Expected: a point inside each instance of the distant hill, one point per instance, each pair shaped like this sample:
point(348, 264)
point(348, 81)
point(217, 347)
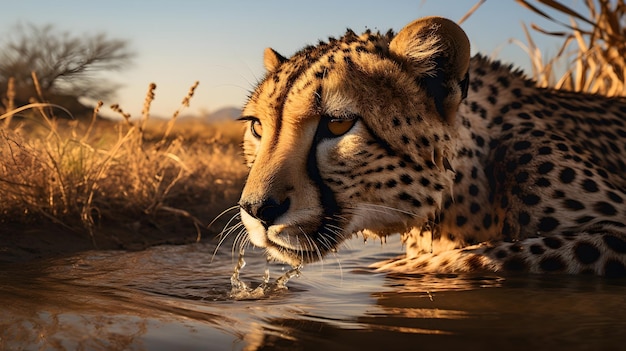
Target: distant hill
point(223, 114)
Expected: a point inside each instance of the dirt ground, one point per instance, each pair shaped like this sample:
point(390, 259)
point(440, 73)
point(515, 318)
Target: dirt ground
point(21, 242)
point(25, 244)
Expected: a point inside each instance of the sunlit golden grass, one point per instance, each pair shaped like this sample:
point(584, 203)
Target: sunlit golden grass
point(592, 55)
point(101, 177)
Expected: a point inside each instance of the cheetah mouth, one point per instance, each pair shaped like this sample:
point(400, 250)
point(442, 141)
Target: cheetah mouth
point(292, 244)
point(296, 247)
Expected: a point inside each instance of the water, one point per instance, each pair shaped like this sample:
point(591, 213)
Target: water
point(240, 290)
point(175, 298)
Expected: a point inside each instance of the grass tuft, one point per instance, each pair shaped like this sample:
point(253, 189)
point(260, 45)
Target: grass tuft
point(592, 55)
point(116, 178)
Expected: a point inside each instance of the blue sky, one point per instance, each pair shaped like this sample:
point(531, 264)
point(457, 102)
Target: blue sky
point(220, 43)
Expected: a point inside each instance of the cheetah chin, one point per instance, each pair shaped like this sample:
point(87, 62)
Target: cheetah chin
point(474, 166)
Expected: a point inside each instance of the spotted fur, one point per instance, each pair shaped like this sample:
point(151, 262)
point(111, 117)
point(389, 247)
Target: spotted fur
point(467, 159)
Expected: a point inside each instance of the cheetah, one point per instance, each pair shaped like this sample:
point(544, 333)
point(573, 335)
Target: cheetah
point(467, 159)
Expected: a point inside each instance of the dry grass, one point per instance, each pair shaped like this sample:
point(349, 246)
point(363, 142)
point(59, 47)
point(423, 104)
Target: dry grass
point(111, 178)
point(592, 55)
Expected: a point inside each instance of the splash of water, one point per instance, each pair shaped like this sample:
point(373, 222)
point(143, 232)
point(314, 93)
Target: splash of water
point(242, 291)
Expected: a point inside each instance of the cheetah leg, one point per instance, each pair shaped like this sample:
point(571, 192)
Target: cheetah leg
point(469, 259)
point(599, 251)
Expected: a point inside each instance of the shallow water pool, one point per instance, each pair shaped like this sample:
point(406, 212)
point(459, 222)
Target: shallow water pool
point(175, 298)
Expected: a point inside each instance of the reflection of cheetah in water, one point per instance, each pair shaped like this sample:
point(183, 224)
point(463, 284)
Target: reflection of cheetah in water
point(477, 167)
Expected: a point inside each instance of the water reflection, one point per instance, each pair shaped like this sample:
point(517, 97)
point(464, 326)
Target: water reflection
point(67, 305)
point(174, 298)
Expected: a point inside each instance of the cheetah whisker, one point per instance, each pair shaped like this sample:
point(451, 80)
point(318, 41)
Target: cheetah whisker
point(241, 242)
point(232, 208)
point(225, 234)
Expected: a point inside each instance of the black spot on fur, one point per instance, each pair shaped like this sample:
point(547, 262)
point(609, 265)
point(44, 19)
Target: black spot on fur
point(522, 145)
point(552, 242)
point(562, 147)
point(567, 175)
point(602, 173)
point(516, 247)
point(530, 199)
point(605, 208)
point(615, 243)
point(536, 249)
point(538, 133)
point(408, 198)
point(474, 173)
point(574, 205)
point(545, 167)
point(525, 158)
point(586, 253)
point(458, 177)
point(614, 197)
point(590, 186)
point(473, 190)
point(406, 179)
point(547, 224)
point(545, 150)
point(584, 219)
point(551, 264)
point(487, 221)
point(549, 210)
point(542, 182)
point(480, 141)
point(461, 220)
point(430, 200)
point(516, 264)
point(460, 199)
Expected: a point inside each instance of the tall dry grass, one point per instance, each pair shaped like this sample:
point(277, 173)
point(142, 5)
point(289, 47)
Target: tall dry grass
point(111, 178)
point(592, 54)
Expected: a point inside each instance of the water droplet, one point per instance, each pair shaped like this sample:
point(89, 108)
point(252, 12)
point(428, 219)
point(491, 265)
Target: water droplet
point(241, 291)
point(237, 286)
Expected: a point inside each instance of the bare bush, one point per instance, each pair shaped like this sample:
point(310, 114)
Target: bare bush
point(65, 65)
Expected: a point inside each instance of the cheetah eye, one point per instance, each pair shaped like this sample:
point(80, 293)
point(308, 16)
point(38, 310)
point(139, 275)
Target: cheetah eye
point(255, 125)
point(256, 128)
point(339, 127)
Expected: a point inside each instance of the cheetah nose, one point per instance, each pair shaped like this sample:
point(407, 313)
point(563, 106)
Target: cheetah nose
point(266, 211)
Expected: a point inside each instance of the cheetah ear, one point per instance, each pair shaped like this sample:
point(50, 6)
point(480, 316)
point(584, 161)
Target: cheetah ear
point(272, 59)
point(437, 50)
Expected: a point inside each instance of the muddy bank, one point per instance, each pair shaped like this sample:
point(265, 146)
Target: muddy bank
point(20, 242)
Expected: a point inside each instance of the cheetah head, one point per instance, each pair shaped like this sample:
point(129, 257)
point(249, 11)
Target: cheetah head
point(350, 135)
